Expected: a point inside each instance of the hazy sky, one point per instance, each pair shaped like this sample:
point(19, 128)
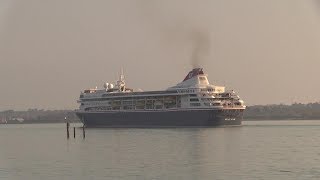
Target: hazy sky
point(266, 50)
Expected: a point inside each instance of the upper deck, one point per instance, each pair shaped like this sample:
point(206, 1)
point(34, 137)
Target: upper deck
point(195, 82)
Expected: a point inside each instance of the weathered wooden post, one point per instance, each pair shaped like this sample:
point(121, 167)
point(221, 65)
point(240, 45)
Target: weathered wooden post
point(68, 125)
point(83, 132)
point(74, 132)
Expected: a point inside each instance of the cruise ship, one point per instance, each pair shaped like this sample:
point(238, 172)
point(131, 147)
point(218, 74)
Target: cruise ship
point(192, 103)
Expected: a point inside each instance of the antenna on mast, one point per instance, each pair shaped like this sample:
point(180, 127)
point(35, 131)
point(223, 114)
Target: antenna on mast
point(121, 83)
point(121, 75)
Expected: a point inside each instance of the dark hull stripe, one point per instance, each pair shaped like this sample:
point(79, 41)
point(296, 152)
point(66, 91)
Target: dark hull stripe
point(182, 118)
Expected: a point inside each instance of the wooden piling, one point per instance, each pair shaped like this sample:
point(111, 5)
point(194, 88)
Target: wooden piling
point(83, 132)
point(68, 125)
point(74, 132)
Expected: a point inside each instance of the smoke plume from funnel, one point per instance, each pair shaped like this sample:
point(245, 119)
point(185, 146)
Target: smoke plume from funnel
point(181, 28)
point(316, 3)
point(200, 48)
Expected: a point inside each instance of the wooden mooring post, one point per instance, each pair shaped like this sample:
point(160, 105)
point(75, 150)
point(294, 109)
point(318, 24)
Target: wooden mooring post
point(74, 130)
point(68, 125)
point(83, 132)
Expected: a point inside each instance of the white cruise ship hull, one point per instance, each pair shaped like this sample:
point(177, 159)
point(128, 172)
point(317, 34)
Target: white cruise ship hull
point(163, 118)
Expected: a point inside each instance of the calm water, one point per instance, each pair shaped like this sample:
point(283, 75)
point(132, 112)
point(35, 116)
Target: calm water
point(257, 150)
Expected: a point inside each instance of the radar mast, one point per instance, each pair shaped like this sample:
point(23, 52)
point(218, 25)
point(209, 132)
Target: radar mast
point(121, 82)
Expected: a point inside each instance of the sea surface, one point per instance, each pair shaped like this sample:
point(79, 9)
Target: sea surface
point(257, 150)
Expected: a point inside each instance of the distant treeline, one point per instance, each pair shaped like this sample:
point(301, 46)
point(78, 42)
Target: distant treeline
point(295, 111)
point(37, 116)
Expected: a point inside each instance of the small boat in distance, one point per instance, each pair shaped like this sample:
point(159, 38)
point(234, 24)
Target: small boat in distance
point(192, 103)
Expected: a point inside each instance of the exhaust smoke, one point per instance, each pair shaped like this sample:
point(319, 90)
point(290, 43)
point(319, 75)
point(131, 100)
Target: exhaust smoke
point(200, 43)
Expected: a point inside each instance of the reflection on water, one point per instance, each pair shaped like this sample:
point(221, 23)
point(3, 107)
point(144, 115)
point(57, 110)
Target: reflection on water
point(257, 150)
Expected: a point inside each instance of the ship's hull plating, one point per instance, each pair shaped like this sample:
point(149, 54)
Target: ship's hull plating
point(157, 118)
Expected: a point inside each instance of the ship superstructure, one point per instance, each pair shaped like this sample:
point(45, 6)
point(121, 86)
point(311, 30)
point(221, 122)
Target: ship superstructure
point(193, 102)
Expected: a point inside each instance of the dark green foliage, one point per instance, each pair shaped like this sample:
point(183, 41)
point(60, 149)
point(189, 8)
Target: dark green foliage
point(279, 112)
point(39, 116)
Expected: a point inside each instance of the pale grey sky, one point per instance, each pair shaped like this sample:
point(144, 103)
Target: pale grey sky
point(268, 51)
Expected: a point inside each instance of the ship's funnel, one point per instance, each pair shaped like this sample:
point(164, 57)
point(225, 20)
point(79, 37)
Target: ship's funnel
point(193, 73)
